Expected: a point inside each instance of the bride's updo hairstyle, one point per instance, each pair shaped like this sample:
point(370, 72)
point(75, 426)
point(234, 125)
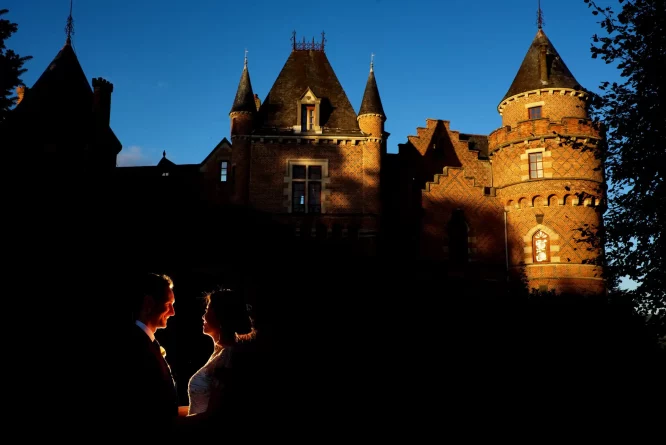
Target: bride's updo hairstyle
point(232, 312)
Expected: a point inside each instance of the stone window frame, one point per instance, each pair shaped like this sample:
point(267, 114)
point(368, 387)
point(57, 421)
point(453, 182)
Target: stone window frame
point(546, 159)
point(325, 182)
point(534, 173)
point(535, 105)
point(554, 245)
point(308, 98)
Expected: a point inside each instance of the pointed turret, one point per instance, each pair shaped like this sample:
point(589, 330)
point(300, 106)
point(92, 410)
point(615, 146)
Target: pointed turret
point(244, 100)
point(542, 67)
point(371, 103)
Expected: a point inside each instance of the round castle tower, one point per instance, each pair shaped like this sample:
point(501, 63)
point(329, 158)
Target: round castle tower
point(548, 177)
point(242, 116)
point(371, 120)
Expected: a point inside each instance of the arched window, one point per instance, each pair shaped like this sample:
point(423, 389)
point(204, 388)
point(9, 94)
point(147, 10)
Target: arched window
point(458, 241)
point(541, 247)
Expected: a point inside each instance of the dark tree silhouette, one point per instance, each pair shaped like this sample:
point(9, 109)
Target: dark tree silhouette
point(11, 67)
point(632, 114)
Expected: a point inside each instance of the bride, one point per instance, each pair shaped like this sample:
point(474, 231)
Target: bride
point(214, 388)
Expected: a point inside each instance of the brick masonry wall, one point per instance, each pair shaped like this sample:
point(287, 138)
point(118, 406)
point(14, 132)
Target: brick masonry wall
point(269, 168)
point(555, 107)
point(483, 214)
point(373, 125)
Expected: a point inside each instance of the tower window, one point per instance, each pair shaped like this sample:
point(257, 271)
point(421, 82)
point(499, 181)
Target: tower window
point(536, 165)
point(224, 171)
point(534, 112)
point(541, 247)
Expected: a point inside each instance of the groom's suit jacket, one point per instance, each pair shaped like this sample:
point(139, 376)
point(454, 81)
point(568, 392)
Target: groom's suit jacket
point(153, 394)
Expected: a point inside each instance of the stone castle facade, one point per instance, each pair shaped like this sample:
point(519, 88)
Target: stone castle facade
point(486, 207)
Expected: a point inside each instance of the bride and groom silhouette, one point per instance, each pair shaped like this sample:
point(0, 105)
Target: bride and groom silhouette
point(214, 388)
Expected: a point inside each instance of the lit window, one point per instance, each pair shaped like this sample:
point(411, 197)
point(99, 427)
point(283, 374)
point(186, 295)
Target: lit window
point(224, 171)
point(536, 165)
point(541, 247)
point(534, 112)
point(306, 188)
point(308, 117)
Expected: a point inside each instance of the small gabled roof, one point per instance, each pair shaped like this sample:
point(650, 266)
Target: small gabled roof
point(528, 77)
point(371, 103)
point(224, 143)
point(307, 69)
point(165, 163)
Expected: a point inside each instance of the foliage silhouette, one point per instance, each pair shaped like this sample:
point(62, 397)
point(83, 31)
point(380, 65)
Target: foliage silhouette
point(632, 114)
point(11, 67)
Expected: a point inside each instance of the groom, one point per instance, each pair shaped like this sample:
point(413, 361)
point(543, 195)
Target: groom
point(153, 398)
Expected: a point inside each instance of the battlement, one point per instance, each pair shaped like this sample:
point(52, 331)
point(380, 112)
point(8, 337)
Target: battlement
point(101, 83)
point(542, 128)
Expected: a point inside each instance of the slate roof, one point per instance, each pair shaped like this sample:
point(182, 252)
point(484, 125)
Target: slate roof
point(61, 99)
point(307, 69)
point(244, 100)
point(371, 102)
point(528, 77)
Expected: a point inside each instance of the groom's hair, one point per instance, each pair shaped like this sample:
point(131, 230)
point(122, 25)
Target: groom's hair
point(152, 284)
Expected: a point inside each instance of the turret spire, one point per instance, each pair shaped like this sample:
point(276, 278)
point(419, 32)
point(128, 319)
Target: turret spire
point(69, 28)
point(244, 100)
point(540, 21)
point(371, 103)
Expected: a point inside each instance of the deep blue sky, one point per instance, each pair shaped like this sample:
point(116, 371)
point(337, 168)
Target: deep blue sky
point(175, 66)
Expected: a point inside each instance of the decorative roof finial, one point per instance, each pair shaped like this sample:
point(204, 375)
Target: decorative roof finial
point(245, 58)
point(323, 40)
point(372, 62)
point(69, 28)
point(293, 39)
point(540, 21)
point(164, 154)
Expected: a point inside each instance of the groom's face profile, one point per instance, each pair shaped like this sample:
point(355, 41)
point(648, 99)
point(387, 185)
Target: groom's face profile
point(162, 310)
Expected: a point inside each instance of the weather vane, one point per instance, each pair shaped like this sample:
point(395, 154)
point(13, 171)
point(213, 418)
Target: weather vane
point(372, 61)
point(540, 21)
point(69, 28)
point(246, 57)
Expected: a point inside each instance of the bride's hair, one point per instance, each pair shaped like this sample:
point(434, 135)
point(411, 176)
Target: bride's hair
point(233, 313)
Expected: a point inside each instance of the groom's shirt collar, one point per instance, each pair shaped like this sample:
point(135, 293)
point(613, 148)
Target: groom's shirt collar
point(146, 330)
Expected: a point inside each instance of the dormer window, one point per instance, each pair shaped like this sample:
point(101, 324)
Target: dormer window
point(308, 114)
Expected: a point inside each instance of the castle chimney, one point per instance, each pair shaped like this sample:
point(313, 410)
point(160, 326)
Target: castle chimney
point(20, 92)
point(257, 101)
point(543, 66)
point(102, 90)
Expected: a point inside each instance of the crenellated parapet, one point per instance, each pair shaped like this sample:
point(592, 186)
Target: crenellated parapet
point(102, 84)
point(572, 129)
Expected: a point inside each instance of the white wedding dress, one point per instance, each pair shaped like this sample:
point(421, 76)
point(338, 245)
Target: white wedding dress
point(205, 379)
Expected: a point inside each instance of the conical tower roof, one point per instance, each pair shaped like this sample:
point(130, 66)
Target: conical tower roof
point(371, 103)
point(244, 100)
point(61, 89)
point(529, 77)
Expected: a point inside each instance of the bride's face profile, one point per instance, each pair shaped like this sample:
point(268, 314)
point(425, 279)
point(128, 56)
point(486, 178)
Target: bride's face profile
point(211, 325)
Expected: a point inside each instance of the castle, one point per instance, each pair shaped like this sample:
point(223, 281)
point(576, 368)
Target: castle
point(488, 207)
